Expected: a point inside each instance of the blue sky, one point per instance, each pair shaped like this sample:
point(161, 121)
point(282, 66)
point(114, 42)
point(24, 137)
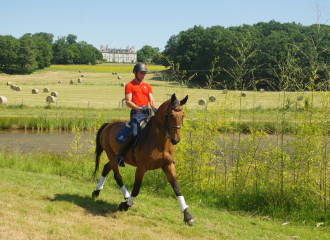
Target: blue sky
point(126, 23)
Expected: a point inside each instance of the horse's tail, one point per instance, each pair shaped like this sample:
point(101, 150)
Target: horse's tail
point(98, 149)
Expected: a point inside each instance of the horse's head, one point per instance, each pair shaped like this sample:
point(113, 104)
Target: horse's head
point(173, 118)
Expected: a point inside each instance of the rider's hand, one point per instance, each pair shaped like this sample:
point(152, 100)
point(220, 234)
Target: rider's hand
point(143, 110)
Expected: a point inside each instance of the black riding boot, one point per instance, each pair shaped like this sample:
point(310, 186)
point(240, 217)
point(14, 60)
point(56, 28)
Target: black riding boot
point(122, 149)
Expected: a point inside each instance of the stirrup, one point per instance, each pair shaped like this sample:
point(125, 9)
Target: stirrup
point(120, 160)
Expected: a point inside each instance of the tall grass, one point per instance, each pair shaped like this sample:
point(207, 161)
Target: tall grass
point(288, 177)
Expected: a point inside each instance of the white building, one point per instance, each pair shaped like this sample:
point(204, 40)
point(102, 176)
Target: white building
point(119, 55)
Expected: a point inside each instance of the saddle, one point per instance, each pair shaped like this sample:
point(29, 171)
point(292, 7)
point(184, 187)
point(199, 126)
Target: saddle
point(126, 130)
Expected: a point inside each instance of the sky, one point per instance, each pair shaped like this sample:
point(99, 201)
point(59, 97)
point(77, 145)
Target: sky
point(123, 23)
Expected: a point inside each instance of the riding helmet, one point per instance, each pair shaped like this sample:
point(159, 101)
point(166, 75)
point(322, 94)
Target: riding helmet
point(140, 67)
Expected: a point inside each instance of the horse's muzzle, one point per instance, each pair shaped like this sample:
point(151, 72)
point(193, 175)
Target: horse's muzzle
point(174, 141)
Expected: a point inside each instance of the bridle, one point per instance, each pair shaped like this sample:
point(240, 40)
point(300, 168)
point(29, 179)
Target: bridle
point(168, 128)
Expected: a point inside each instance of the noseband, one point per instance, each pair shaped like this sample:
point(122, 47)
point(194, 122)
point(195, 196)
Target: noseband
point(168, 128)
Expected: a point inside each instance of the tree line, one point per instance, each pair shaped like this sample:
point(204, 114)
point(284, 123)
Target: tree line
point(250, 56)
point(37, 51)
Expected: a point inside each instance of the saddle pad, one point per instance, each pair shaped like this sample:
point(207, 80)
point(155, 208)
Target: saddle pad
point(124, 131)
point(122, 134)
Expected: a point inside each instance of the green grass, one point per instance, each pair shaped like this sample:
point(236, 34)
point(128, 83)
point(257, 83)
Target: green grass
point(49, 197)
point(285, 178)
point(102, 90)
point(100, 94)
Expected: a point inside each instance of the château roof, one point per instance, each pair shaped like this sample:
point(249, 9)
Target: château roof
point(117, 50)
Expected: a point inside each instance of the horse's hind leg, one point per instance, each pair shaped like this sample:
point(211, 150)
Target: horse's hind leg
point(101, 180)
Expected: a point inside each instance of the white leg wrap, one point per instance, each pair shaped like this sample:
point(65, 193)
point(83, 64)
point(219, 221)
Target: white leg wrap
point(125, 192)
point(100, 183)
point(182, 203)
point(130, 201)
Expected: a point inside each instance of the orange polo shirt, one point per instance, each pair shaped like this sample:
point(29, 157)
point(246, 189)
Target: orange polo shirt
point(140, 92)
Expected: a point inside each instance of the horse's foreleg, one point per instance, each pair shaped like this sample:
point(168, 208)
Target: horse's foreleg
point(101, 180)
point(170, 173)
point(139, 174)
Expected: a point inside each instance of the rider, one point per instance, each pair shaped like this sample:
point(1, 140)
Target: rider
point(137, 95)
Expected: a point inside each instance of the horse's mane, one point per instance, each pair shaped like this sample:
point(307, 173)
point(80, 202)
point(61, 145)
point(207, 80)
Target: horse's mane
point(144, 132)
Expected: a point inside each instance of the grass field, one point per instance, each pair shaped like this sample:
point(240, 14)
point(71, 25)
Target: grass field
point(101, 90)
point(99, 98)
point(37, 203)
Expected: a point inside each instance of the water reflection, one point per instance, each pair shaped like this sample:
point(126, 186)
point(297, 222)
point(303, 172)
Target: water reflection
point(31, 141)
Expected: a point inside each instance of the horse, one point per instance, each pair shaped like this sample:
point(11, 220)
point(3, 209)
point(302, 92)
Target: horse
point(154, 149)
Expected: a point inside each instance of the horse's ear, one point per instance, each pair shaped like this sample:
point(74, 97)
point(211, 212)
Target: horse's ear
point(183, 101)
point(173, 98)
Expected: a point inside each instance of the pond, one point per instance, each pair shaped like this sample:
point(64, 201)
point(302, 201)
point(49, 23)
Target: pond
point(59, 142)
point(55, 142)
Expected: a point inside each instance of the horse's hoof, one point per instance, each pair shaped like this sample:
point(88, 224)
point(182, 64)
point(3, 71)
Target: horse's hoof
point(95, 193)
point(187, 217)
point(190, 222)
point(123, 206)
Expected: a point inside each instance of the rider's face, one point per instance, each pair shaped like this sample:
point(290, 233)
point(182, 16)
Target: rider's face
point(140, 75)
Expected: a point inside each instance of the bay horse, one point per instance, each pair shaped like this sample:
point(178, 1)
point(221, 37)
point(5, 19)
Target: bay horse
point(154, 149)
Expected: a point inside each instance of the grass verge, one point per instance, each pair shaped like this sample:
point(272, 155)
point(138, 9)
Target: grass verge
point(48, 197)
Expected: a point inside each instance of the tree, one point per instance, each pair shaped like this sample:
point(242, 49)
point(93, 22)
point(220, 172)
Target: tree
point(58, 48)
point(146, 52)
point(26, 54)
point(8, 52)
point(43, 50)
point(77, 53)
point(48, 37)
point(71, 39)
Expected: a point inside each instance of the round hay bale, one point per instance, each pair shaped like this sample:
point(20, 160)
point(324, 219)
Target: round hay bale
point(119, 77)
point(79, 80)
point(54, 94)
point(113, 73)
point(3, 100)
point(46, 89)
point(262, 90)
point(79, 71)
point(59, 82)
point(201, 102)
point(82, 75)
point(13, 87)
point(8, 83)
point(243, 94)
point(18, 89)
point(71, 82)
point(35, 91)
point(225, 91)
point(122, 84)
point(212, 98)
point(300, 98)
point(50, 99)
